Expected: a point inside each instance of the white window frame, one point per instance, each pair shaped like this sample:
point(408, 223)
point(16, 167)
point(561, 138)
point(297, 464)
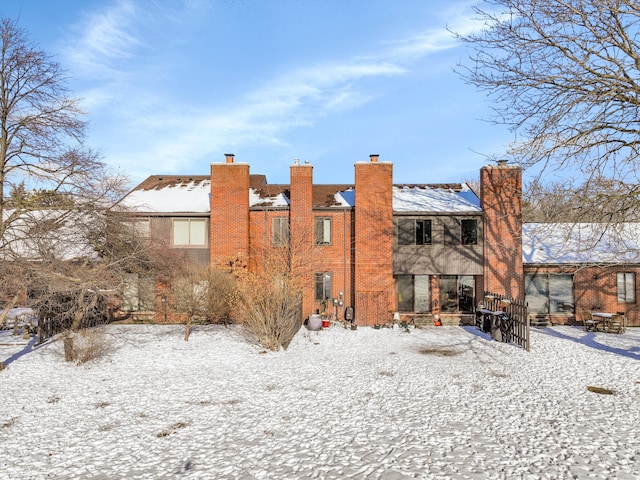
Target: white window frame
point(195, 234)
point(626, 286)
point(323, 286)
point(322, 230)
point(280, 231)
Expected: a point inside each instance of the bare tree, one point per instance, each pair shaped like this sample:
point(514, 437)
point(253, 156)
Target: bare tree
point(603, 200)
point(42, 134)
point(59, 250)
point(191, 295)
point(565, 76)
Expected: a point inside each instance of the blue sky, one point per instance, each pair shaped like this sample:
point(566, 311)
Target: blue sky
point(171, 86)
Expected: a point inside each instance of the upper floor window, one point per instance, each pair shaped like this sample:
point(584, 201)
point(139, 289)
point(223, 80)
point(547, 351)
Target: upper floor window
point(323, 230)
point(139, 227)
point(280, 231)
point(413, 231)
point(469, 231)
point(626, 287)
point(189, 232)
point(462, 232)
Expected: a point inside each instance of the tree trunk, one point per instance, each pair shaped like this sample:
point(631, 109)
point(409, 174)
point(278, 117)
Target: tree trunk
point(187, 330)
point(5, 311)
point(69, 356)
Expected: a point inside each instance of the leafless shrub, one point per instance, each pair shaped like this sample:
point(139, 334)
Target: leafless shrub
point(270, 300)
point(89, 344)
point(190, 292)
point(221, 295)
point(270, 305)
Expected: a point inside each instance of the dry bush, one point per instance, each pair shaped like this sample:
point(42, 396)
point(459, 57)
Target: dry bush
point(89, 344)
point(222, 295)
point(269, 300)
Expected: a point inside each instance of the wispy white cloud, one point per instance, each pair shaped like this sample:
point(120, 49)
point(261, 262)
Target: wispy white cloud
point(161, 129)
point(103, 38)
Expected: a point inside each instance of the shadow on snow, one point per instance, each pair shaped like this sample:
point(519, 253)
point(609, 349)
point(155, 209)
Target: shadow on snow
point(590, 339)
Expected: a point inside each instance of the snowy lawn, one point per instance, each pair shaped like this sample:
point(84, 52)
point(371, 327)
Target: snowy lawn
point(433, 403)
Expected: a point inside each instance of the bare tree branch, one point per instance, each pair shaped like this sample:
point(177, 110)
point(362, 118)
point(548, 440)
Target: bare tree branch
point(565, 76)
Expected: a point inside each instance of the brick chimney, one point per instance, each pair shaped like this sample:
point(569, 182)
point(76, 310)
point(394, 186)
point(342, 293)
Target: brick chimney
point(501, 198)
point(374, 285)
point(229, 217)
point(302, 229)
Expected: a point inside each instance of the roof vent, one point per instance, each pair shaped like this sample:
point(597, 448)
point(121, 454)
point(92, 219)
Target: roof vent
point(296, 161)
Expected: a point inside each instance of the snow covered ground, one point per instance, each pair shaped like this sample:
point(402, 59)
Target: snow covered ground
point(366, 404)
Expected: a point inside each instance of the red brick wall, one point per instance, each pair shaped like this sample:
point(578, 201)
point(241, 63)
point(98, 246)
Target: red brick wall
point(302, 230)
point(501, 197)
point(375, 291)
point(229, 220)
point(336, 258)
point(594, 288)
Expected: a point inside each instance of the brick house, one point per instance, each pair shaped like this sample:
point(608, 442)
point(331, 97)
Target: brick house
point(425, 251)
point(573, 268)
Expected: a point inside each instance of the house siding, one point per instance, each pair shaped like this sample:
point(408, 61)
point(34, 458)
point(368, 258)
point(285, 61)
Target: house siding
point(438, 258)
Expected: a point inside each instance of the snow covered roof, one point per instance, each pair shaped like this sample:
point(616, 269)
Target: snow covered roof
point(49, 233)
point(435, 199)
point(571, 243)
point(159, 194)
point(258, 198)
point(190, 194)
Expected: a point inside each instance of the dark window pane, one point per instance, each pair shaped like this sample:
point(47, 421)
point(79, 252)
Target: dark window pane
point(449, 293)
point(423, 232)
point(469, 229)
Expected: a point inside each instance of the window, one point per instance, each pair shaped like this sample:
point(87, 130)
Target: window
point(549, 293)
point(414, 231)
point(469, 231)
point(189, 232)
point(280, 231)
point(323, 285)
point(626, 287)
point(461, 232)
point(323, 231)
point(413, 293)
point(138, 293)
point(457, 293)
point(138, 227)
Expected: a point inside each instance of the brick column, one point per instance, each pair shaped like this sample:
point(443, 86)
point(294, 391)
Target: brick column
point(501, 197)
point(374, 285)
point(301, 226)
point(229, 217)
